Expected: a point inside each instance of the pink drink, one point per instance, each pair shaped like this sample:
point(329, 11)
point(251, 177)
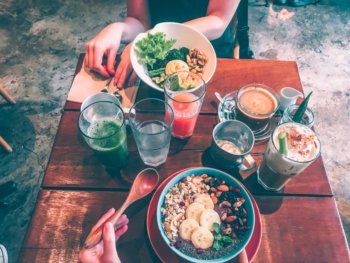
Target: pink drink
point(186, 108)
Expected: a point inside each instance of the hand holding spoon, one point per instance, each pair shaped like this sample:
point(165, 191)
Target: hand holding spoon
point(144, 183)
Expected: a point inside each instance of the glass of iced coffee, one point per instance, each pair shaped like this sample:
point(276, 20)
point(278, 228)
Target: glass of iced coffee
point(302, 148)
point(255, 106)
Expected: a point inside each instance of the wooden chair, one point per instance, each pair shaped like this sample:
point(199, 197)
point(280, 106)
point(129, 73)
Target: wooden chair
point(4, 93)
point(240, 30)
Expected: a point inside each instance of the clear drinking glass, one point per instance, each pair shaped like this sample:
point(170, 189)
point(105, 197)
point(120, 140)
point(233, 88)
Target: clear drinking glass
point(151, 122)
point(277, 169)
point(102, 125)
point(308, 117)
point(184, 91)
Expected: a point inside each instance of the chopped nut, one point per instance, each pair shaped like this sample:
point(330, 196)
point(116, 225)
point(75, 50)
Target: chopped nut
point(230, 219)
point(223, 217)
point(223, 188)
point(218, 193)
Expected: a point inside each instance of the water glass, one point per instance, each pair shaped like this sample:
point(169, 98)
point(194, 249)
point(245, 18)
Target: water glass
point(151, 122)
point(307, 120)
point(184, 92)
point(102, 125)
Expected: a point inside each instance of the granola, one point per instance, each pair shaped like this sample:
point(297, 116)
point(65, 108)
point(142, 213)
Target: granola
point(178, 198)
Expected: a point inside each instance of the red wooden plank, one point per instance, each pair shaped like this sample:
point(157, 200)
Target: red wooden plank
point(73, 164)
point(230, 75)
point(295, 229)
point(68, 135)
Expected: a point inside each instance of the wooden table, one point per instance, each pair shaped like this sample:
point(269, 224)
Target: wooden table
point(300, 224)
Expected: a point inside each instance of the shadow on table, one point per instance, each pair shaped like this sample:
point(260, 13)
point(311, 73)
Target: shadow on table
point(177, 145)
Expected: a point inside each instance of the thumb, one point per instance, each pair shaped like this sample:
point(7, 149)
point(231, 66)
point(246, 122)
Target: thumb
point(110, 252)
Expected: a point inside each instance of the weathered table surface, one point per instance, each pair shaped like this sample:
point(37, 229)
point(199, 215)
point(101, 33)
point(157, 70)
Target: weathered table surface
point(300, 224)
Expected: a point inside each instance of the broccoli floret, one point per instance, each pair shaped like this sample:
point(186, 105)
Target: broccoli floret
point(184, 52)
point(174, 54)
point(160, 63)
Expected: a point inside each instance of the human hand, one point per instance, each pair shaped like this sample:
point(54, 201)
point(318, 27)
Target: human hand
point(106, 43)
point(125, 75)
point(105, 251)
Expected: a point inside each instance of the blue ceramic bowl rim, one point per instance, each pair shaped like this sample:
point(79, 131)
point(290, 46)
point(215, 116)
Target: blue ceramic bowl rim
point(231, 181)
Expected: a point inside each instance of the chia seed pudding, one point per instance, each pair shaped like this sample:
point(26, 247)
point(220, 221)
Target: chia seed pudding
point(203, 217)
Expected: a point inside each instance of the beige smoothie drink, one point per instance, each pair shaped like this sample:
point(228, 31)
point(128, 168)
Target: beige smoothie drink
point(303, 147)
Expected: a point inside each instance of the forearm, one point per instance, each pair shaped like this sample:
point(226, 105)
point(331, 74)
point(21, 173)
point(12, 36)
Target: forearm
point(130, 28)
point(210, 26)
point(219, 15)
point(136, 20)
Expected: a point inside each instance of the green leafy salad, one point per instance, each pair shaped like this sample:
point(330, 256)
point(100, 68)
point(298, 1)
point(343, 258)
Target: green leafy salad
point(154, 51)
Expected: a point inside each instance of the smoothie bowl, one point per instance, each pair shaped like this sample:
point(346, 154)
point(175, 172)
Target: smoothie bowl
point(205, 215)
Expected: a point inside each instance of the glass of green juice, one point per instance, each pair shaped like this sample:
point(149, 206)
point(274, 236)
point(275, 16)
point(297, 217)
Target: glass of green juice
point(102, 125)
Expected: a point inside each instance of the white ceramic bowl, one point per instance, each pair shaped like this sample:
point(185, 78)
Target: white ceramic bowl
point(185, 37)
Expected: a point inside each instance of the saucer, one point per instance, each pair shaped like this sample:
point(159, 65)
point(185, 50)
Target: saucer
point(227, 111)
point(165, 254)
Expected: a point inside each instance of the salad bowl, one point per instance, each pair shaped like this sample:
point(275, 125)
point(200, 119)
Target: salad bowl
point(183, 36)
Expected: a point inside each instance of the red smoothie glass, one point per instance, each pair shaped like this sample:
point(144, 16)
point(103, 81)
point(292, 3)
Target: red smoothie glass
point(184, 92)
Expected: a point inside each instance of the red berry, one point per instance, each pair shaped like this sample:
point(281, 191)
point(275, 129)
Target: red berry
point(237, 190)
point(178, 244)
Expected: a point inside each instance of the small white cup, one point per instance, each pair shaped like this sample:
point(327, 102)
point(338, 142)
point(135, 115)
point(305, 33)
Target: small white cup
point(288, 96)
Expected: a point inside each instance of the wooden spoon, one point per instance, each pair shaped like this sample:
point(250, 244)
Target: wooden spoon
point(144, 184)
point(242, 257)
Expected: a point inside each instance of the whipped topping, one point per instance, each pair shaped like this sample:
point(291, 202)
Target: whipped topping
point(302, 143)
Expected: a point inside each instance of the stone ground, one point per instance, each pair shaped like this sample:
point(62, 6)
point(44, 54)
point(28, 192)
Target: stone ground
point(39, 47)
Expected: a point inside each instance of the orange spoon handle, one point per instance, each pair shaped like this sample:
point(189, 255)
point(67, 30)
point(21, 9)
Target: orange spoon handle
point(242, 257)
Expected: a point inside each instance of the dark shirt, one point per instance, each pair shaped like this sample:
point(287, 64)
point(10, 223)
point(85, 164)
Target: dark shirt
point(184, 10)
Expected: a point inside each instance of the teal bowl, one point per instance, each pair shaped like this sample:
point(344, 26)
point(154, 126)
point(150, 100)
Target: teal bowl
point(230, 181)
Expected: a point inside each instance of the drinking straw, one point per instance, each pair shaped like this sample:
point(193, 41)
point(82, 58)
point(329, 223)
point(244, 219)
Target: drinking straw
point(282, 137)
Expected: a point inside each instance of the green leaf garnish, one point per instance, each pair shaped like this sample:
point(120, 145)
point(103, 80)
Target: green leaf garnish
point(227, 239)
point(216, 228)
point(298, 116)
point(217, 245)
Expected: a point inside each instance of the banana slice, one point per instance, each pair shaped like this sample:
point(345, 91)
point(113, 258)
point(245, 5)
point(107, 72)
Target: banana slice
point(205, 200)
point(187, 227)
point(175, 66)
point(194, 211)
point(208, 218)
point(202, 238)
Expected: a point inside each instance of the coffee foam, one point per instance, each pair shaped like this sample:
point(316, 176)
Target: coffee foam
point(257, 115)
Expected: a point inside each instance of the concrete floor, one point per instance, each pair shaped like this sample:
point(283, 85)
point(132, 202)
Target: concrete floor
point(40, 43)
